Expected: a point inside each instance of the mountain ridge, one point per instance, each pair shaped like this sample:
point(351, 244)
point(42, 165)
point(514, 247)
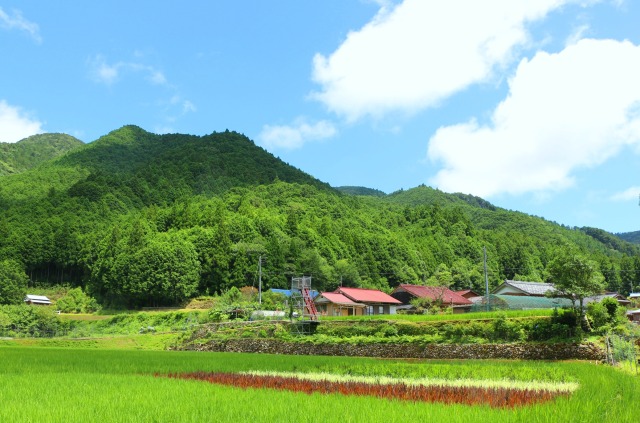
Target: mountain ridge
point(107, 215)
point(34, 151)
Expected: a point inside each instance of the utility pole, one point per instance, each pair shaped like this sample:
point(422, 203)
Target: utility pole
point(260, 280)
point(486, 278)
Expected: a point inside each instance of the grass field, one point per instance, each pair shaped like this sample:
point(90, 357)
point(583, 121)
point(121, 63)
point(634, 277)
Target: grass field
point(48, 384)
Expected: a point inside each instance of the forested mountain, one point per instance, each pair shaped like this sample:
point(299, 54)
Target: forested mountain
point(33, 151)
point(361, 191)
point(633, 237)
point(143, 219)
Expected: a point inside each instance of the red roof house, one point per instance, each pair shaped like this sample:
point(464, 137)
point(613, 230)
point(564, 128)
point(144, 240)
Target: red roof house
point(468, 293)
point(406, 292)
point(336, 304)
point(375, 301)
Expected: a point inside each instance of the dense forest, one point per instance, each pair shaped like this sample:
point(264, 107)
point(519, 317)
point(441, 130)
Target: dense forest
point(140, 219)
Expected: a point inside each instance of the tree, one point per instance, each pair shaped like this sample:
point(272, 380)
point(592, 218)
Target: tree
point(13, 282)
point(575, 277)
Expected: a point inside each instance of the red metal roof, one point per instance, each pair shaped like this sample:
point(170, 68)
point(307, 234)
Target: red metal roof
point(367, 295)
point(337, 299)
point(434, 292)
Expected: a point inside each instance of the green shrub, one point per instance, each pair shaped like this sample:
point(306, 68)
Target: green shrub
point(76, 301)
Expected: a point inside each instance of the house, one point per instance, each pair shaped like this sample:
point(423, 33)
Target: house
point(634, 316)
point(376, 302)
point(406, 292)
point(534, 289)
point(468, 293)
point(597, 298)
point(37, 300)
point(335, 304)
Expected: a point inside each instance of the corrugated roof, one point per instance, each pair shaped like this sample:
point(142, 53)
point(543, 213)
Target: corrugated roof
point(435, 292)
point(37, 299)
point(367, 295)
point(529, 288)
point(337, 298)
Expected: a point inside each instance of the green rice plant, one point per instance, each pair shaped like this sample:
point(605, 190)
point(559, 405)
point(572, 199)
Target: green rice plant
point(80, 385)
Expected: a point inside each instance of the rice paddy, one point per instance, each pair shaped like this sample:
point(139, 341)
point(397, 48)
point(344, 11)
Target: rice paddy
point(79, 385)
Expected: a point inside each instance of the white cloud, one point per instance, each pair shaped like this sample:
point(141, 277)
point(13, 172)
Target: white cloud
point(627, 195)
point(565, 111)
point(577, 34)
point(416, 54)
point(294, 136)
point(15, 124)
point(109, 73)
point(17, 21)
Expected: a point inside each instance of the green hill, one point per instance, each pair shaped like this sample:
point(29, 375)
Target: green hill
point(143, 219)
point(361, 191)
point(33, 151)
point(633, 237)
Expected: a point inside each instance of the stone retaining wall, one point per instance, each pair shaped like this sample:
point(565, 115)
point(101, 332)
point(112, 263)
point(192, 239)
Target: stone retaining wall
point(584, 351)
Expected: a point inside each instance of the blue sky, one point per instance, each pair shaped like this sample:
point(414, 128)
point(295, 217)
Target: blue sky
point(532, 105)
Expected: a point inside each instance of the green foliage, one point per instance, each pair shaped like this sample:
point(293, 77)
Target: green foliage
point(138, 219)
point(76, 301)
point(33, 151)
point(13, 282)
point(33, 321)
point(110, 385)
point(575, 277)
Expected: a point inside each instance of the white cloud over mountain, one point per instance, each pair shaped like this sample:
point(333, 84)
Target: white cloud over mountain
point(290, 137)
point(15, 124)
point(565, 111)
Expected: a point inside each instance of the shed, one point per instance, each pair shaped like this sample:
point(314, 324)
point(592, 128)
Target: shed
point(376, 302)
point(634, 315)
point(597, 298)
point(534, 289)
point(335, 304)
point(37, 300)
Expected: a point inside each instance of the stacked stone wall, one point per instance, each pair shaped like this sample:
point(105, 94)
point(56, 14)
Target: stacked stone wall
point(520, 351)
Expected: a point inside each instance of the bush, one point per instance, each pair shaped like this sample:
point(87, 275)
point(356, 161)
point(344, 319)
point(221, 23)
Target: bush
point(76, 301)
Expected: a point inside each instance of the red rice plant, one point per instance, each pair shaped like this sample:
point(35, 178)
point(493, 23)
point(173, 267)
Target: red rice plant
point(494, 397)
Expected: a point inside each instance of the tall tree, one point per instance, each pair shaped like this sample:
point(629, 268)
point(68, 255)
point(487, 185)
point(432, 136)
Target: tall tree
point(575, 277)
point(13, 282)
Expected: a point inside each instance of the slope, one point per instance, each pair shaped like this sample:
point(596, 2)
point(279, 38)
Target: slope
point(33, 151)
point(144, 219)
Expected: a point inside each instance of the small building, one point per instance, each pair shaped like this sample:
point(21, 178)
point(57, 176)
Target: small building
point(335, 304)
point(468, 293)
point(634, 316)
point(597, 298)
point(37, 300)
point(530, 289)
point(375, 301)
point(406, 292)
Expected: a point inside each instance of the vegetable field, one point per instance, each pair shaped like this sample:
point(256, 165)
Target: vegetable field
point(80, 385)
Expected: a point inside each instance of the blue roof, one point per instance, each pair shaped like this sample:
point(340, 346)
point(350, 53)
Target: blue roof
point(289, 292)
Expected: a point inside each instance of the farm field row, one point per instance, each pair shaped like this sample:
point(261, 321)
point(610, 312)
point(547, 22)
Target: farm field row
point(79, 385)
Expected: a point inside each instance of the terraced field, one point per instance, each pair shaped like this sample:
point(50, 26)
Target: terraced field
point(80, 385)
